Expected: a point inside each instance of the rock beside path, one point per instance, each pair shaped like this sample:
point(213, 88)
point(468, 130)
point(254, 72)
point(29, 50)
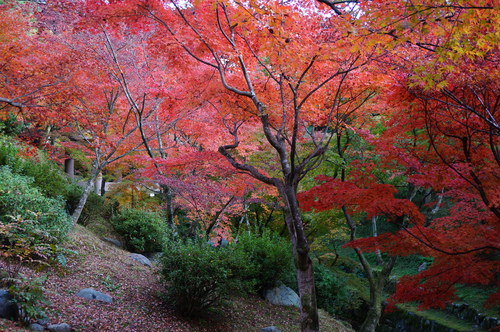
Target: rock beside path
point(59, 327)
point(114, 242)
point(283, 295)
point(141, 259)
point(8, 308)
point(92, 294)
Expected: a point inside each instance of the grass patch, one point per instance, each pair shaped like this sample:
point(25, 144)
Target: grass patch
point(475, 297)
point(440, 317)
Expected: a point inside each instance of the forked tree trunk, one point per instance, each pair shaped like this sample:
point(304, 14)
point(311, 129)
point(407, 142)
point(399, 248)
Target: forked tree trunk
point(376, 280)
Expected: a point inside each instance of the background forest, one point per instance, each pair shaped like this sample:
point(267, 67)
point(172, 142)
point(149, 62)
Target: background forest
point(348, 149)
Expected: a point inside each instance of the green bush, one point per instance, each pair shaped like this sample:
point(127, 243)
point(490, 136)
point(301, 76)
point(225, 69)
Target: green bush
point(51, 180)
point(31, 225)
point(143, 231)
point(47, 176)
point(8, 152)
point(271, 256)
point(19, 199)
point(11, 126)
point(200, 276)
point(331, 291)
point(96, 210)
point(28, 294)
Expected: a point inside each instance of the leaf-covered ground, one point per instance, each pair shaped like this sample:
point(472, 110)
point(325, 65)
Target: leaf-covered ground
point(138, 297)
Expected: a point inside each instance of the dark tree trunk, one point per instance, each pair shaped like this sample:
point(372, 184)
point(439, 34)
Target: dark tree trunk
point(376, 280)
point(103, 187)
point(166, 197)
point(170, 205)
point(309, 320)
point(374, 312)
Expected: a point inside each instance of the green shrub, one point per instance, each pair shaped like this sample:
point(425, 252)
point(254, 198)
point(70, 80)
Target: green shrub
point(11, 126)
point(331, 291)
point(31, 225)
point(22, 241)
point(46, 175)
point(240, 265)
point(143, 231)
point(19, 199)
point(51, 180)
point(28, 295)
point(96, 210)
point(200, 276)
point(272, 257)
point(8, 152)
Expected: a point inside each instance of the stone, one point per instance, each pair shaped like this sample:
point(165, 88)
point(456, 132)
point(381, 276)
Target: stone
point(63, 327)
point(43, 321)
point(141, 259)
point(283, 295)
point(8, 308)
point(270, 329)
point(92, 294)
point(114, 242)
point(422, 267)
point(37, 327)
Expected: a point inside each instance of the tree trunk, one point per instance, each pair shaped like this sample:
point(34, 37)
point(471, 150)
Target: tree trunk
point(69, 167)
point(380, 261)
point(103, 187)
point(374, 312)
point(97, 184)
point(166, 196)
point(377, 280)
point(309, 320)
point(170, 205)
point(89, 185)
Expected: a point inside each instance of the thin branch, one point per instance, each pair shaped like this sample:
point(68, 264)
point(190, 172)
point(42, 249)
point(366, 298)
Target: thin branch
point(446, 252)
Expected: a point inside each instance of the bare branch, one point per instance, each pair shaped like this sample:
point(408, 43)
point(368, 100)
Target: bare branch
point(245, 168)
point(11, 102)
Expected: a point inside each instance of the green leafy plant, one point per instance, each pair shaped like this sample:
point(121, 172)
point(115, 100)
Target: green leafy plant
point(10, 126)
point(110, 284)
point(96, 210)
point(20, 200)
point(198, 276)
point(143, 231)
point(46, 176)
point(271, 256)
point(28, 295)
point(331, 291)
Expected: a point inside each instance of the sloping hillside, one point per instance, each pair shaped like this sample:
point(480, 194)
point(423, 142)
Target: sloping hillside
point(137, 297)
